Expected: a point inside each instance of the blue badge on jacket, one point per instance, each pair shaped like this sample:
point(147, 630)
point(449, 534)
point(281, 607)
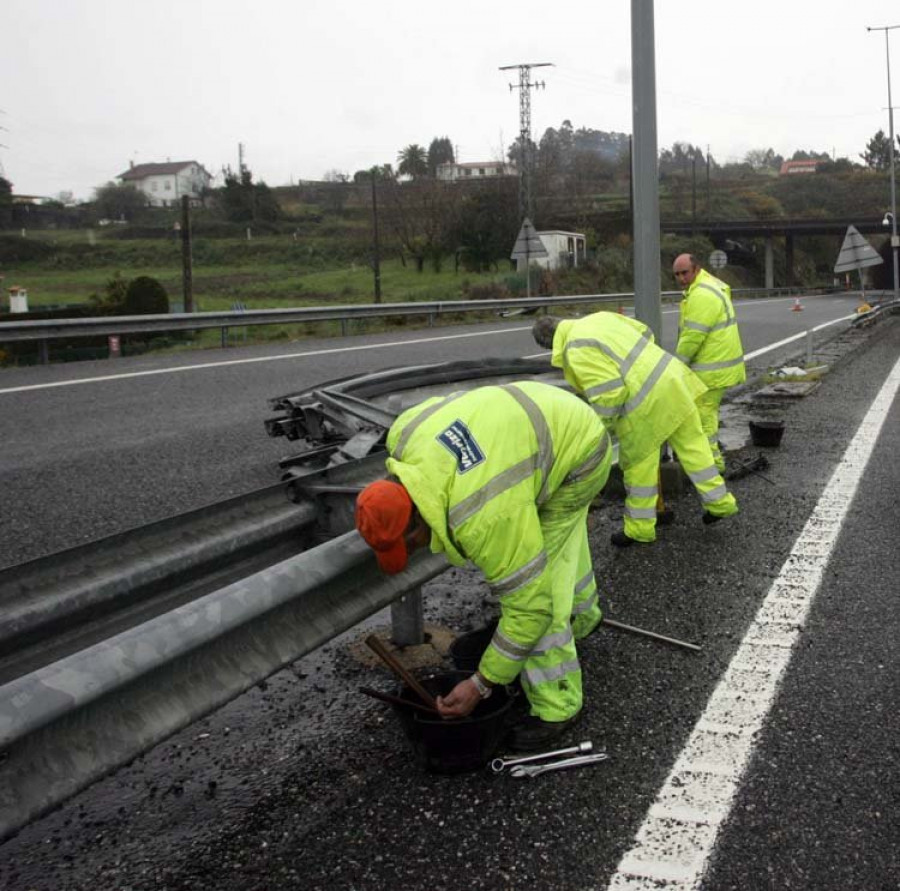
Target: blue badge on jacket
point(459, 440)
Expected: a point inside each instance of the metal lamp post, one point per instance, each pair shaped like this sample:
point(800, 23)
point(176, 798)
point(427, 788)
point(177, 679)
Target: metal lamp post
point(895, 240)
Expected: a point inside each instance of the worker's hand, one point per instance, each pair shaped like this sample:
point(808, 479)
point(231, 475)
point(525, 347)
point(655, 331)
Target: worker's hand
point(460, 701)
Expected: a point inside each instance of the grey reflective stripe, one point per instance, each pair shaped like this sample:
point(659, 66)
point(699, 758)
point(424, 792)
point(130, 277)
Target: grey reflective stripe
point(614, 384)
point(640, 513)
point(509, 649)
point(715, 366)
point(714, 439)
point(471, 504)
point(723, 325)
point(553, 673)
point(521, 577)
point(714, 494)
point(696, 326)
point(641, 491)
point(585, 605)
point(633, 355)
point(546, 457)
point(418, 420)
point(552, 642)
point(605, 412)
point(648, 384)
point(584, 582)
point(705, 475)
point(594, 461)
point(682, 358)
point(587, 343)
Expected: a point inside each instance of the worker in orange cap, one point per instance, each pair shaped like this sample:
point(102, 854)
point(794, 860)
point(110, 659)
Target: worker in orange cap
point(503, 476)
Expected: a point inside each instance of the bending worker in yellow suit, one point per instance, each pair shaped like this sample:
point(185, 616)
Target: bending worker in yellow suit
point(503, 476)
point(708, 341)
point(644, 396)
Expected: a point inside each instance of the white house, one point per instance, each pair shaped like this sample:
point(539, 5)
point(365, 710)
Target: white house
point(453, 172)
point(165, 184)
point(564, 250)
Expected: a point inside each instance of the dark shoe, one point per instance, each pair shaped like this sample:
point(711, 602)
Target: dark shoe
point(532, 734)
point(621, 540)
point(709, 519)
point(665, 517)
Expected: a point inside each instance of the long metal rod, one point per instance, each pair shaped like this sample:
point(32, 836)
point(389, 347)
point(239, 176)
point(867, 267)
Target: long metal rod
point(652, 634)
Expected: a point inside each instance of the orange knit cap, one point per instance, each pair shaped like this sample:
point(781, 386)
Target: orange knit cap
point(383, 511)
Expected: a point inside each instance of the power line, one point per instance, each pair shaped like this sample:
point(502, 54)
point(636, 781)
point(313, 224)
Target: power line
point(525, 86)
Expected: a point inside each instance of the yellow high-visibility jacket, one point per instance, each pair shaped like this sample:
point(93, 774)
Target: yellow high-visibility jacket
point(641, 392)
point(708, 338)
point(478, 465)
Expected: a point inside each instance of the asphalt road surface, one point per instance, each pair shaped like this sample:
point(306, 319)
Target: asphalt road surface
point(767, 760)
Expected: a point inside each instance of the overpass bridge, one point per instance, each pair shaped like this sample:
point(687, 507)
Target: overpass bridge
point(719, 231)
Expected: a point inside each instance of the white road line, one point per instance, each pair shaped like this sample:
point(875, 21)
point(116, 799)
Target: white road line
point(305, 355)
point(280, 357)
point(674, 844)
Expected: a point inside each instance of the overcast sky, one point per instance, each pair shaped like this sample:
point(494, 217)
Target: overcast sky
point(308, 86)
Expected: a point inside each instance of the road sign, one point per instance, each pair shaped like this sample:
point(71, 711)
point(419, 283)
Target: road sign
point(718, 259)
point(528, 245)
point(856, 252)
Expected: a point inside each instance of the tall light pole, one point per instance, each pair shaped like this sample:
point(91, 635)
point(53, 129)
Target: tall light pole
point(895, 240)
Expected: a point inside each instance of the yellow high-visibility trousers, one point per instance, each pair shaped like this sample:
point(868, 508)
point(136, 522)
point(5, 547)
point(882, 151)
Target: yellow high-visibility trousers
point(642, 481)
point(708, 407)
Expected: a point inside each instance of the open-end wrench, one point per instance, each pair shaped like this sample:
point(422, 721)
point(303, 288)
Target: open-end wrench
point(498, 765)
point(535, 770)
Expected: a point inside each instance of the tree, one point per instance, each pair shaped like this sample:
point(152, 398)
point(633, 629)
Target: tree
point(382, 173)
point(412, 161)
point(439, 152)
point(118, 201)
point(763, 159)
point(878, 152)
point(5, 203)
point(243, 201)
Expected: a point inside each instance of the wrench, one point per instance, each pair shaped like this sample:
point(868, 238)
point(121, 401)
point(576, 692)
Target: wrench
point(535, 770)
point(498, 765)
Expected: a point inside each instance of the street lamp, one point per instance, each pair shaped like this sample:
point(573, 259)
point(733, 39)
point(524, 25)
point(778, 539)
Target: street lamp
point(895, 240)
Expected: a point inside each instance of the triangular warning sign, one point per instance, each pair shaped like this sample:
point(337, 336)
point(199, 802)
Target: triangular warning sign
point(856, 252)
point(528, 245)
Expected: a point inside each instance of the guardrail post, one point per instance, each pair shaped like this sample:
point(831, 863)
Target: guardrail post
point(343, 327)
point(224, 337)
point(44, 352)
point(407, 620)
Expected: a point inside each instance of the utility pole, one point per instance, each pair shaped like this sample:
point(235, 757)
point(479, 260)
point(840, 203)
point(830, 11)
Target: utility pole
point(645, 173)
point(708, 199)
point(240, 160)
point(187, 262)
point(525, 86)
point(376, 257)
point(895, 240)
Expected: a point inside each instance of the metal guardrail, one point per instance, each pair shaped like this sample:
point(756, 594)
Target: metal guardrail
point(50, 329)
point(69, 723)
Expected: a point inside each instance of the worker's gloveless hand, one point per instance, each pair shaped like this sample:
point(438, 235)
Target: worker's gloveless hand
point(460, 701)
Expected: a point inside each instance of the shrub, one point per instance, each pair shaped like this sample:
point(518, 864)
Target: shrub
point(145, 296)
point(15, 249)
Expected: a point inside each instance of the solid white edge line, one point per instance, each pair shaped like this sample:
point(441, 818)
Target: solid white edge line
point(673, 845)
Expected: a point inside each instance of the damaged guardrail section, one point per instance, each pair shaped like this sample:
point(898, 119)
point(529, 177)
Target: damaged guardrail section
point(72, 722)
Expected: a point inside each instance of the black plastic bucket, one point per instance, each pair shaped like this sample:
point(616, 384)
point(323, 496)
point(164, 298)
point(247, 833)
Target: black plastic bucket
point(467, 649)
point(454, 746)
point(766, 433)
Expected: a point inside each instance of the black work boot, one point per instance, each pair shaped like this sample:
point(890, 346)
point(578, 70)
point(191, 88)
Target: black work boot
point(709, 519)
point(621, 540)
point(533, 734)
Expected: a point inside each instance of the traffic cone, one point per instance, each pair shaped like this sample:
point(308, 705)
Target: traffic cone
point(797, 307)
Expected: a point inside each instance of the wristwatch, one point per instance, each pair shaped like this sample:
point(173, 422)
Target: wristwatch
point(483, 689)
